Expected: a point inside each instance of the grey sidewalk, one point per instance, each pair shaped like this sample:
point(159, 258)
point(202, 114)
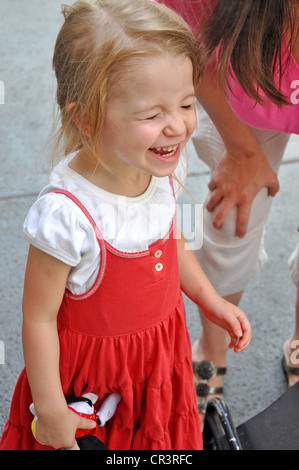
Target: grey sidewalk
point(28, 32)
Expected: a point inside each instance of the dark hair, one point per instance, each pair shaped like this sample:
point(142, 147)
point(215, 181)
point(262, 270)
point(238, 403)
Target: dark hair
point(248, 37)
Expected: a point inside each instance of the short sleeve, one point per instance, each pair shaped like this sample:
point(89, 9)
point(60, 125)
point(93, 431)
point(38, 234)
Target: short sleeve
point(56, 226)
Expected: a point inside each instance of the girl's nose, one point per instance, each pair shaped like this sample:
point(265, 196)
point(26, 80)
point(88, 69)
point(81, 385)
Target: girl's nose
point(175, 126)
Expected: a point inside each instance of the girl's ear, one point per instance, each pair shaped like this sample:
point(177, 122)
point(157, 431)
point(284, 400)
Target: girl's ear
point(80, 119)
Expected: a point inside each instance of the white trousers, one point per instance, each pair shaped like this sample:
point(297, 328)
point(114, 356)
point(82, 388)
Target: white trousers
point(228, 261)
point(294, 266)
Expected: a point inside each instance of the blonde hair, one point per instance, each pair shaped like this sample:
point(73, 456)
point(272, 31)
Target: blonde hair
point(97, 42)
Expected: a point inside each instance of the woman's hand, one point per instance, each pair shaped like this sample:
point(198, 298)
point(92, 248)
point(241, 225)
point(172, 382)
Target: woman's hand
point(236, 181)
point(244, 169)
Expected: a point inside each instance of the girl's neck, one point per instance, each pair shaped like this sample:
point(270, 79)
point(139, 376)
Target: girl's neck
point(132, 185)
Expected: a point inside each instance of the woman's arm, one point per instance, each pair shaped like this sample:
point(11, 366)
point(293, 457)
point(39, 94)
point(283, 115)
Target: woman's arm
point(244, 169)
point(198, 288)
point(45, 281)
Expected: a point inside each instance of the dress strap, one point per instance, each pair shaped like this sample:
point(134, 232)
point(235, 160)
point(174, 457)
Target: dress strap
point(71, 196)
point(100, 240)
point(171, 184)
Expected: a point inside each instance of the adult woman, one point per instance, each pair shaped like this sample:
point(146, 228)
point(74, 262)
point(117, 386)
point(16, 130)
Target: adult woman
point(251, 51)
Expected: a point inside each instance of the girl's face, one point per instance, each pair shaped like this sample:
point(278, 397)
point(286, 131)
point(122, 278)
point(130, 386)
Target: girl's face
point(150, 116)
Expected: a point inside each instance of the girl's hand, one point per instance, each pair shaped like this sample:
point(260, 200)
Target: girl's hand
point(196, 286)
point(59, 431)
point(233, 320)
point(236, 181)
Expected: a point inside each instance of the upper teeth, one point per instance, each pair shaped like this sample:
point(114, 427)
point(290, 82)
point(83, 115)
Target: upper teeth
point(167, 149)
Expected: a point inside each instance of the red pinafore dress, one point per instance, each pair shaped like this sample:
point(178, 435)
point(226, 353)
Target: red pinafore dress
point(126, 334)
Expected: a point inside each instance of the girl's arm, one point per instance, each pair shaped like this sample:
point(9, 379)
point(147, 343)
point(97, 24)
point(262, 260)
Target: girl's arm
point(45, 281)
point(198, 288)
point(244, 169)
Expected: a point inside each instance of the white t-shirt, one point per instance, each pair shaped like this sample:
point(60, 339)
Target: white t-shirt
point(57, 226)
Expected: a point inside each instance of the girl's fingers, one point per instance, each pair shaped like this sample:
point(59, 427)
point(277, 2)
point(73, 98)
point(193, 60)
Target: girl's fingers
point(241, 335)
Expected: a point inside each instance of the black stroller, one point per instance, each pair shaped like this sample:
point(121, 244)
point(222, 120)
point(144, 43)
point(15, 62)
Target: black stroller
point(275, 428)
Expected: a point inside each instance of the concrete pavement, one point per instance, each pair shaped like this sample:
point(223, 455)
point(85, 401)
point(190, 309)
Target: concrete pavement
point(28, 32)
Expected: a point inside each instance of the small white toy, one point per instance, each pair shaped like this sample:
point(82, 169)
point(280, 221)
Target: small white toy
point(84, 406)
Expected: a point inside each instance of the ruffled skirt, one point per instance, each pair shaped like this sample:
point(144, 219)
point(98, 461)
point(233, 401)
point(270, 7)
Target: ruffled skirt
point(152, 369)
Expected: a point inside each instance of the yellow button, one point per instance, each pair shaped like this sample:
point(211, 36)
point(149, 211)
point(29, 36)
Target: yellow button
point(158, 254)
point(159, 267)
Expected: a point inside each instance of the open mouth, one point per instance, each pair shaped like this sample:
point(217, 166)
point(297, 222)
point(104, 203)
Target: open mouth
point(165, 152)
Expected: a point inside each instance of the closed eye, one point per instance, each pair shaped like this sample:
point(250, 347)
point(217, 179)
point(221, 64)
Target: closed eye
point(152, 117)
point(188, 106)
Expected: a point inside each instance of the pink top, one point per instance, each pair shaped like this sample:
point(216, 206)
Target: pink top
point(269, 115)
point(194, 12)
point(263, 116)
